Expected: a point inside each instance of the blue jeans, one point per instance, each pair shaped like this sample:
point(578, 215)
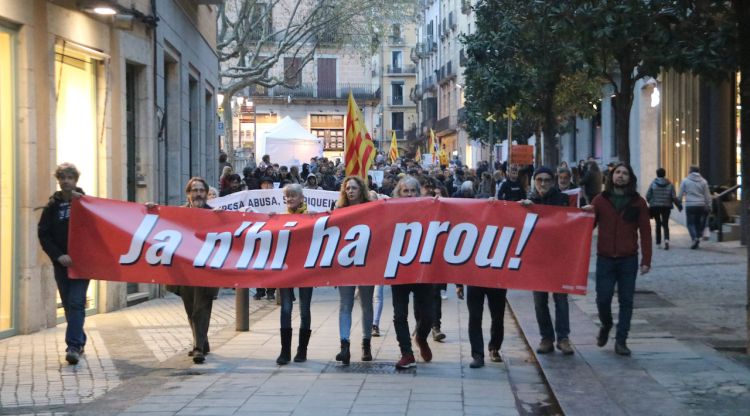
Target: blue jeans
point(73, 296)
point(696, 221)
point(305, 296)
point(346, 303)
point(622, 272)
point(562, 319)
point(377, 302)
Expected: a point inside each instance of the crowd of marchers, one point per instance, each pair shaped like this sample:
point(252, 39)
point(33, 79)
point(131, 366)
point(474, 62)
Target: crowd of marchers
point(623, 249)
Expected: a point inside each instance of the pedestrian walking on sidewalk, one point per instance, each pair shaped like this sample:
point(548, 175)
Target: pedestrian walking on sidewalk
point(354, 191)
point(295, 204)
point(545, 192)
point(408, 187)
point(697, 204)
point(660, 197)
point(622, 217)
point(197, 300)
point(53, 236)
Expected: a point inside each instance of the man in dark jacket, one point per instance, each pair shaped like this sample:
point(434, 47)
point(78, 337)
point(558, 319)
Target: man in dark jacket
point(621, 215)
point(512, 189)
point(544, 192)
point(197, 300)
point(53, 236)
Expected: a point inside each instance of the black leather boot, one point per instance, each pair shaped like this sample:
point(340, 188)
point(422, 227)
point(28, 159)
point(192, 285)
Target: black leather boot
point(366, 350)
point(344, 356)
point(304, 339)
point(286, 346)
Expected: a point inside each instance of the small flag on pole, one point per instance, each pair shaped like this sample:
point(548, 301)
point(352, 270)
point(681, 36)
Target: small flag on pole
point(359, 148)
point(418, 156)
point(393, 152)
point(433, 147)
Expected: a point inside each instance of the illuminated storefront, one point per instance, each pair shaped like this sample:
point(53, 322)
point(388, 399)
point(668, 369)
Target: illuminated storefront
point(7, 179)
point(77, 132)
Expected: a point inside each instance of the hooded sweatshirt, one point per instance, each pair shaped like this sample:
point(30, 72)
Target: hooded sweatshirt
point(695, 190)
point(661, 193)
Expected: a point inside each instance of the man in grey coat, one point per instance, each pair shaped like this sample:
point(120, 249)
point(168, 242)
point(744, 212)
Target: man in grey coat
point(697, 203)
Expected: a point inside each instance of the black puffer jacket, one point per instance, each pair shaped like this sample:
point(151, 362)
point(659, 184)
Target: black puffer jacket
point(53, 226)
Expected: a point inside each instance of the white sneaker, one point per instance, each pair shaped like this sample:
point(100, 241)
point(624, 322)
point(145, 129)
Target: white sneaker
point(443, 295)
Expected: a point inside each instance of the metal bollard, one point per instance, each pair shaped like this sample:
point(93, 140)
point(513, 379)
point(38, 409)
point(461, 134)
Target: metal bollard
point(242, 309)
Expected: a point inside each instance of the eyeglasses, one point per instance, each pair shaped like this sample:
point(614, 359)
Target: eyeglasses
point(543, 180)
point(200, 190)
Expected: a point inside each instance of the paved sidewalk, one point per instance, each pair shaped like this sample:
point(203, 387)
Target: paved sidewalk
point(692, 300)
point(241, 377)
point(121, 345)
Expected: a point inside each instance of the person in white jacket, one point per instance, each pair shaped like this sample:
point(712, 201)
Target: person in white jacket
point(694, 189)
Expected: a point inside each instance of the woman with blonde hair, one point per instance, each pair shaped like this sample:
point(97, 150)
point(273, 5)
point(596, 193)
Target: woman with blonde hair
point(354, 191)
point(295, 204)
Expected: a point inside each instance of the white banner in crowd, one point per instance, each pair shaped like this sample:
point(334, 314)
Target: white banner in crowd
point(272, 200)
point(377, 176)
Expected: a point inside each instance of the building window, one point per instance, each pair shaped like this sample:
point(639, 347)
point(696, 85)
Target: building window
point(7, 177)
point(397, 93)
point(397, 124)
point(76, 129)
point(292, 72)
point(397, 61)
point(330, 128)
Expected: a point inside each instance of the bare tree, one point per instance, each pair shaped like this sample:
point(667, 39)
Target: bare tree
point(254, 36)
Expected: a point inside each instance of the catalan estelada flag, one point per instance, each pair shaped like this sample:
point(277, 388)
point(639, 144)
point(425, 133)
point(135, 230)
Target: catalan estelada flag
point(393, 152)
point(418, 156)
point(359, 148)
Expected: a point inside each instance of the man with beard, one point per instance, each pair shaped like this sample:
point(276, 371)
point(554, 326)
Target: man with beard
point(621, 215)
point(197, 300)
point(53, 236)
point(235, 185)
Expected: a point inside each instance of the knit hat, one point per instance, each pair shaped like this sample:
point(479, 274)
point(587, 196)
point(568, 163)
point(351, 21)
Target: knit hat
point(543, 169)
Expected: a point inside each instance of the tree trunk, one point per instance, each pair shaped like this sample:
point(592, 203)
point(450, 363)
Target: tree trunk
point(743, 13)
point(228, 127)
point(551, 150)
point(623, 102)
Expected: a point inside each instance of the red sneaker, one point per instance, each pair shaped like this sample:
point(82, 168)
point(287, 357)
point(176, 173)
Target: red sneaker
point(424, 349)
point(406, 361)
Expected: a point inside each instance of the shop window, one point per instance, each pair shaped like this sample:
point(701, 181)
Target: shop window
point(7, 178)
point(77, 131)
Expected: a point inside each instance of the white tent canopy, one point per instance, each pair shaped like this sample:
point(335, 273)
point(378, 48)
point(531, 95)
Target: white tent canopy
point(288, 143)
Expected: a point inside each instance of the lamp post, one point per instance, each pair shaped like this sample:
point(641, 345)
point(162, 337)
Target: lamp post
point(242, 295)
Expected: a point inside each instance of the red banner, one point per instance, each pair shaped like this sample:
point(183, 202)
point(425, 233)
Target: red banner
point(393, 241)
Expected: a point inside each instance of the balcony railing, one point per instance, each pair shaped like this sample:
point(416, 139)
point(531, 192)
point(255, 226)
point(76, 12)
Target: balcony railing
point(340, 91)
point(403, 69)
point(396, 40)
point(446, 123)
point(396, 100)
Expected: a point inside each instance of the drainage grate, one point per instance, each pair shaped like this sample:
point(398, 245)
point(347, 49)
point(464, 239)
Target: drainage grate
point(367, 368)
point(648, 299)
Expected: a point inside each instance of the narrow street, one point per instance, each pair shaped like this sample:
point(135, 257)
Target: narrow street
point(687, 323)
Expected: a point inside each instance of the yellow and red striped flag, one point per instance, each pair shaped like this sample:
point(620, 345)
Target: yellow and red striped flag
point(418, 157)
point(393, 152)
point(359, 148)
